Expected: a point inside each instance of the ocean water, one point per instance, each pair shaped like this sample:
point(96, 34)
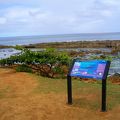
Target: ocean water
point(25, 40)
point(7, 52)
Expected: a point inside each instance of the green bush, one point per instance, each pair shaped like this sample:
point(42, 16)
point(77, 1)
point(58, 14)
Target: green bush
point(23, 68)
point(47, 63)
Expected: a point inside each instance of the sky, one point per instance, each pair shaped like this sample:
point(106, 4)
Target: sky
point(46, 17)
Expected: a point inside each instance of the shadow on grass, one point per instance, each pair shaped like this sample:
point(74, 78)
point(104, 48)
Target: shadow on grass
point(85, 103)
point(95, 103)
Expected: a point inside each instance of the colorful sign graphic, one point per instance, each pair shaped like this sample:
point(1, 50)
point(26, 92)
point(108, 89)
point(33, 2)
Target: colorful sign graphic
point(89, 69)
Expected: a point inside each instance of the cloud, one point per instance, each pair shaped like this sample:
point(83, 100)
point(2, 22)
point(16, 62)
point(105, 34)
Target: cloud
point(23, 15)
point(111, 2)
point(14, 1)
point(58, 16)
point(2, 20)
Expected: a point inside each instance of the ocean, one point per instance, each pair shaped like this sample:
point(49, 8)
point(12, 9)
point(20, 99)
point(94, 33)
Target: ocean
point(26, 40)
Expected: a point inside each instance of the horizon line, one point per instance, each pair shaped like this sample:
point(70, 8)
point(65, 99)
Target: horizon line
point(59, 34)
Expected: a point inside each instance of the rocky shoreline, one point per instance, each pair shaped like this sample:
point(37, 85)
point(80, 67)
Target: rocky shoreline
point(79, 44)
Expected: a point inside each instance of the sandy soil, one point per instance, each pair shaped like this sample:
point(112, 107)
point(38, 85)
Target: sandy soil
point(19, 102)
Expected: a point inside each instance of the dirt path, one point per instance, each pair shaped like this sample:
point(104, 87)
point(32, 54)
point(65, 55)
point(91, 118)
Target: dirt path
point(15, 82)
point(19, 102)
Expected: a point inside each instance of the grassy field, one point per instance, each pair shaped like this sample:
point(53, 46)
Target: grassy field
point(89, 93)
point(25, 96)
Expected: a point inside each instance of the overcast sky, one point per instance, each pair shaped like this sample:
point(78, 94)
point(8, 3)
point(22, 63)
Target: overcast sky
point(41, 17)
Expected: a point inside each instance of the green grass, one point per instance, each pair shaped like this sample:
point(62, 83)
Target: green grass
point(48, 85)
point(23, 68)
point(86, 95)
point(113, 95)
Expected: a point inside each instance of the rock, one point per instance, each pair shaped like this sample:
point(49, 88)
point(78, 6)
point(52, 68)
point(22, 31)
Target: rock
point(115, 78)
point(116, 75)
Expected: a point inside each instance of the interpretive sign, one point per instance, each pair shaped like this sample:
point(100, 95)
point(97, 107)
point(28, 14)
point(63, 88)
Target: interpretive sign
point(96, 69)
point(89, 69)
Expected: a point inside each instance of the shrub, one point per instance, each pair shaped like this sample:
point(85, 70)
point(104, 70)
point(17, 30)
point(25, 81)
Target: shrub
point(23, 68)
point(47, 63)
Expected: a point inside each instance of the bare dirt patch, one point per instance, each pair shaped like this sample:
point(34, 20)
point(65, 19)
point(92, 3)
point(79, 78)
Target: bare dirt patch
point(19, 102)
point(17, 83)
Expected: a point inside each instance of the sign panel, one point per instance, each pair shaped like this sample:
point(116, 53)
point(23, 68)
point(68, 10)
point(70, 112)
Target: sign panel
point(96, 69)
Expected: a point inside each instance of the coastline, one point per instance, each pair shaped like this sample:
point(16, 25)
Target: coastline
point(113, 45)
point(77, 44)
point(4, 46)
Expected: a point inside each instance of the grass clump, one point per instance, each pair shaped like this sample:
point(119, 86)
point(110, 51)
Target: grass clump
point(24, 68)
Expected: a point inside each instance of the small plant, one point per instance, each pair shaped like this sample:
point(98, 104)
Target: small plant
point(23, 68)
point(103, 57)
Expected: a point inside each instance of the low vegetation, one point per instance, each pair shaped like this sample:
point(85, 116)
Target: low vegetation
point(49, 63)
point(23, 68)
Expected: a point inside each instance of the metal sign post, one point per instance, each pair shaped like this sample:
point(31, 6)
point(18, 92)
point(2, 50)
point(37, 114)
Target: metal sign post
point(69, 89)
point(103, 107)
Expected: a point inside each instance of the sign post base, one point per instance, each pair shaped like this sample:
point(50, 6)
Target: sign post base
point(103, 107)
point(69, 89)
